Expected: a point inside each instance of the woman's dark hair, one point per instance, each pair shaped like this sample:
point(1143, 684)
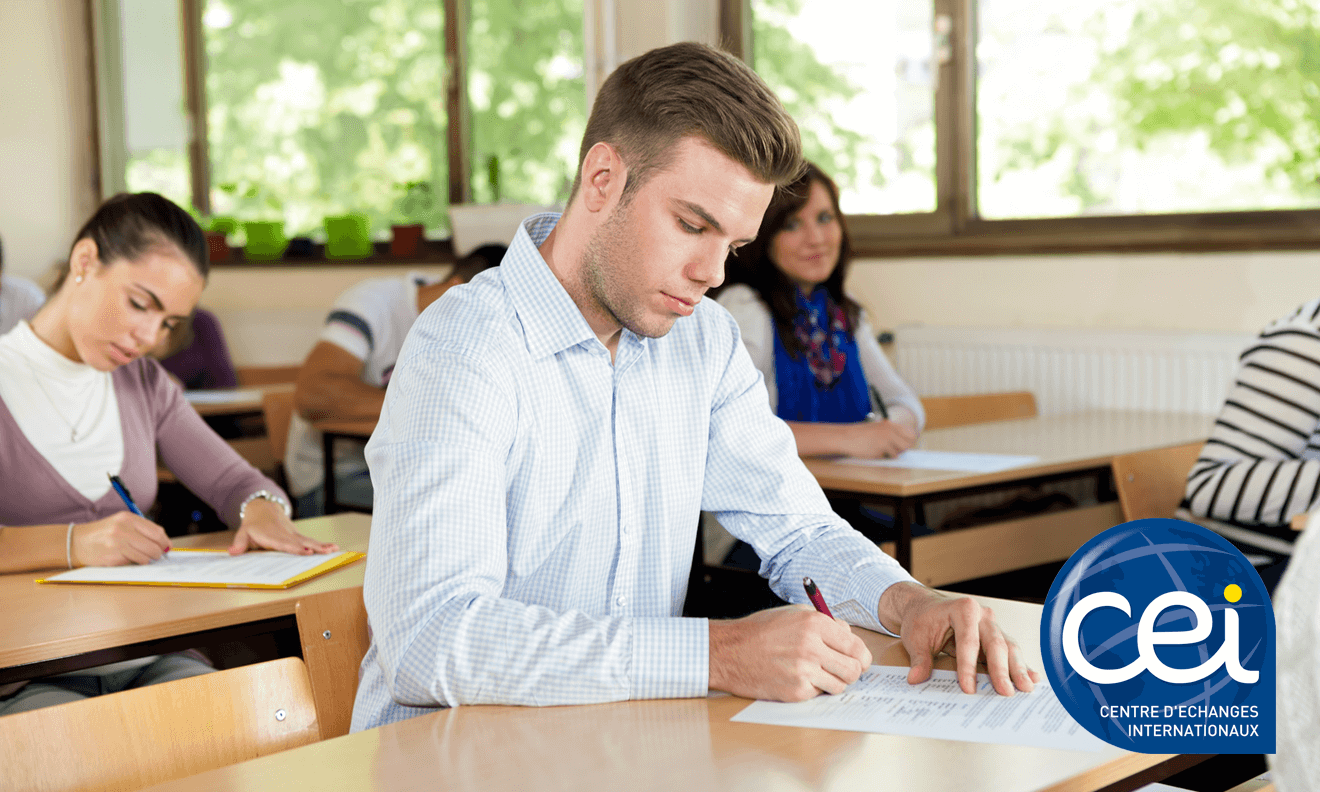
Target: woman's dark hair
point(752, 264)
point(128, 225)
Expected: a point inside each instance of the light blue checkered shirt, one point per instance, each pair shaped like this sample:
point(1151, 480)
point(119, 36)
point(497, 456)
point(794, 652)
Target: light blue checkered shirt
point(536, 507)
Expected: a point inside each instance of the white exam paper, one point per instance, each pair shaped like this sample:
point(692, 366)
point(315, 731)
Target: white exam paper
point(882, 701)
point(221, 396)
point(920, 459)
point(212, 567)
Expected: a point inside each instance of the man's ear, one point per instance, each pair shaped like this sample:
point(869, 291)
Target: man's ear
point(603, 177)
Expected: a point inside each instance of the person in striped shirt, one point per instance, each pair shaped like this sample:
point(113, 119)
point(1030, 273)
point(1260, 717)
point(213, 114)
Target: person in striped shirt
point(1261, 465)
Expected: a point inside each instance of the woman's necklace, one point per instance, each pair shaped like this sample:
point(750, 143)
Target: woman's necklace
point(73, 427)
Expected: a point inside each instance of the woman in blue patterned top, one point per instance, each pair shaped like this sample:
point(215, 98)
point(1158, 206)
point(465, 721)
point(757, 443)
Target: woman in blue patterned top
point(825, 372)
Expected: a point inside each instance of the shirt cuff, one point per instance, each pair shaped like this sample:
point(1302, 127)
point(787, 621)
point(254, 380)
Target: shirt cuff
point(874, 588)
point(670, 658)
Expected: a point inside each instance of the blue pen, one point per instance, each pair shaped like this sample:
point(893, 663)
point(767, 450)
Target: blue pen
point(123, 493)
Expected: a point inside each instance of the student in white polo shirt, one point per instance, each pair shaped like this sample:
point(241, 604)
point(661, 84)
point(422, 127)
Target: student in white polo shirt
point(345, 375)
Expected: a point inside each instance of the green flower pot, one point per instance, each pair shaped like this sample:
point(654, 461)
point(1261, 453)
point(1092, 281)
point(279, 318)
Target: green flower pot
point(348, 236)
point(265, 240)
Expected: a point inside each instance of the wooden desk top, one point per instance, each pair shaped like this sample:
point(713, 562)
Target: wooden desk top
point(48, 621)
point(247, 399)
point(346, 428)
point(685, 744)
point(1063, 443)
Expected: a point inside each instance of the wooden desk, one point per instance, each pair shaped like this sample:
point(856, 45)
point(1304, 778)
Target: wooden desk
point(1068, 446)
point(331, 433)
point(235, 401)
point(51, 629)
point(686, 744)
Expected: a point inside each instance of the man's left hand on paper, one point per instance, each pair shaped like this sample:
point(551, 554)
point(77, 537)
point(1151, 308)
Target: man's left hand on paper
point(931, 622)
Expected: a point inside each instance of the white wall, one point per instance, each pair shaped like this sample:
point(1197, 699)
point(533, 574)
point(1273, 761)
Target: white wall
point(1168, 291)
point(46, 132)
point(272, 314)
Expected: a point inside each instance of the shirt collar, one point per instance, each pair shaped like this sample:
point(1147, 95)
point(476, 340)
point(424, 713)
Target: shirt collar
point(551, 320)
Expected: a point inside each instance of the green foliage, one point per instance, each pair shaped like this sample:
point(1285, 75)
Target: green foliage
point(1246, 73)
point(416, 205)
point(527, 98)
point(807, 89)
point(319, 108)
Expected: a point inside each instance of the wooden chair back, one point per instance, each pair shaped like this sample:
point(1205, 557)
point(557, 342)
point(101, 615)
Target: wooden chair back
point(265, 375)
point(944, 411)
point(162, 732)
point(277, 409)
point(1151, 483)
point(333, 630)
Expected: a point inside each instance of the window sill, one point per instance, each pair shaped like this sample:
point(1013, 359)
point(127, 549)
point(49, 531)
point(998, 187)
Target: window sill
point(431, 252)
point(892, 237)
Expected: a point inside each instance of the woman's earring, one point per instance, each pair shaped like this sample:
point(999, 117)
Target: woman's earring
point(77, 279)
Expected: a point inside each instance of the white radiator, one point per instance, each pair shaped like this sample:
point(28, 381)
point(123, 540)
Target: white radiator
point(1074, 369)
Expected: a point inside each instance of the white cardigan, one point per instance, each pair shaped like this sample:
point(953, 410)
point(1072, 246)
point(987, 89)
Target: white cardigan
point(758, 331)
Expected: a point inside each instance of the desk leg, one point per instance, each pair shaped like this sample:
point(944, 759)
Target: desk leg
point(903, 509)
point(328, 481)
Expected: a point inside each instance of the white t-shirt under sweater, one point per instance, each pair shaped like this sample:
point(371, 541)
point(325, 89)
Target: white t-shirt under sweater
point(20, 299)
point(67, 411)
point(369, 321)
point(758, 328)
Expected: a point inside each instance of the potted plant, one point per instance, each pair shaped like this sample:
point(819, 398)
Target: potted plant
point(348, 236)
point(217, 237)
point(265, 237)
point(414, 208)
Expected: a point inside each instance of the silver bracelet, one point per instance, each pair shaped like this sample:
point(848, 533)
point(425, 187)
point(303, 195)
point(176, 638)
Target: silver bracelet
point(68, 546)
point(264, 495)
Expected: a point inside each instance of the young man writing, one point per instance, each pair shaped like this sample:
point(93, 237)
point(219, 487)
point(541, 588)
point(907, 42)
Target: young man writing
point(554, 428)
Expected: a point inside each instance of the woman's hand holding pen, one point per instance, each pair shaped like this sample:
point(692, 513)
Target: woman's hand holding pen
point(122, 538)
point(879, 439)
point(265, 526)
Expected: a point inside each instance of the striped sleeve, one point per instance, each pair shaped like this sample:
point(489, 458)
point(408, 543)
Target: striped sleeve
point(1261, 465)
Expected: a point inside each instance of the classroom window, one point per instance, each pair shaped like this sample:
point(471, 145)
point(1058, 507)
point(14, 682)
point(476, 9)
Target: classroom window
point(314, 108)
point(527, 98)
point(863, 94)
point(1026, 125)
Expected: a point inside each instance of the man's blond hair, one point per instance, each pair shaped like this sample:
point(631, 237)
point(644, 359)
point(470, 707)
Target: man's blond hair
point(653, 101)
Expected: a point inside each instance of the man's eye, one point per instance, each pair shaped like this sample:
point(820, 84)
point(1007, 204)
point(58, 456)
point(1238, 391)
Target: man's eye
point(688, 227)
point(137, 305)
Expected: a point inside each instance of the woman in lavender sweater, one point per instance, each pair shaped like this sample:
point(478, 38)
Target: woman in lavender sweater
point(79, 400)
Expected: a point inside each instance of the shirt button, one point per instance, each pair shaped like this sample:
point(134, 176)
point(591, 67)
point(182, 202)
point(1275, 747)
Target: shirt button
point(620, 600)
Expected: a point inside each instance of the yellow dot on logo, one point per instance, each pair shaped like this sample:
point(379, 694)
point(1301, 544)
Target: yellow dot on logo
point(1232, 592)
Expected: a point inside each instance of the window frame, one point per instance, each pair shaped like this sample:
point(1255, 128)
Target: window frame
point(458, 127)
point(955, 226)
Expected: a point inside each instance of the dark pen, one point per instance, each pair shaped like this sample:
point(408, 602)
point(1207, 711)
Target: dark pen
point(813, 594)
point(880, 403)
point(123, 494)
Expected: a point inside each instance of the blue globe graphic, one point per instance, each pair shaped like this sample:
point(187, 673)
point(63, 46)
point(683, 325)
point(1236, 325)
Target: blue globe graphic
point(1142, 560)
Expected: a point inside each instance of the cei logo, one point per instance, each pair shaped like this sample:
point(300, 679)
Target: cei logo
point(1158, 637)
